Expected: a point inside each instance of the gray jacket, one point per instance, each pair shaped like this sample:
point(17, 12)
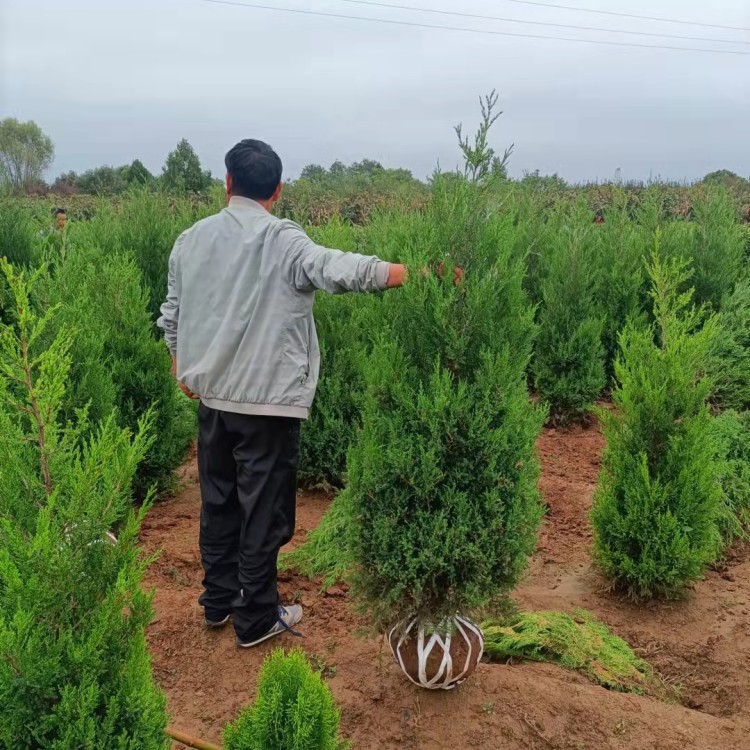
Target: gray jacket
point(238, 314)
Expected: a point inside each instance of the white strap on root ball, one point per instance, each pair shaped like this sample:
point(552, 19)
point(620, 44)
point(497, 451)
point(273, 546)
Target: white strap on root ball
point(437, 660)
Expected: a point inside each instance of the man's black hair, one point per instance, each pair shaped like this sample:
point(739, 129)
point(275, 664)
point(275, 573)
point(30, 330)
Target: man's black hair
point(57, 211)
point(255, 169)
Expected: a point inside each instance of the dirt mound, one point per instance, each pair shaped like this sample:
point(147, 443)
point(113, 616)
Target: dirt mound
point(701, 643)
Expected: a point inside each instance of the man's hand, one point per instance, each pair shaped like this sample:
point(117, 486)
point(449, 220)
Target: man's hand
point(183, 388)
point(397, 275)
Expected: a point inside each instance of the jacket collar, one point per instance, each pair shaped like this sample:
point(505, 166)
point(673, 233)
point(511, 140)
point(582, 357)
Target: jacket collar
point(237, 201)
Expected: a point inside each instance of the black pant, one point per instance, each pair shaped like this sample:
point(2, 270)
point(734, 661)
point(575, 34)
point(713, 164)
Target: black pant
point(248, 475)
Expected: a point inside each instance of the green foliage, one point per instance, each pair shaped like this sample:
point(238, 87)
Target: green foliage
point(335, 416)
point(620, 249)
point(25, 152)
point(146, 226)
point(578, 642)
point(716, 249)
point(730, 351)
point(118, 365)
point(105, 180)
point(17, 234)
point(543, 182)
point(658, 502)
point(725, 178)
point(731, 430)
point(354, 193)
point(480, 161)
point(75, 670)
point(137, 174)
point(327, 552)
point(569, 358)
point(294, 710)
point(182, 171)
point(442, 479)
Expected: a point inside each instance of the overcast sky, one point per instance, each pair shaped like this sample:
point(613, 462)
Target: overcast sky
point(115, 80)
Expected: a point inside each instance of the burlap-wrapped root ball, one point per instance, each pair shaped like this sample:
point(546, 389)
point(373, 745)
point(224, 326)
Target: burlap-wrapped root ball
point(437, 659)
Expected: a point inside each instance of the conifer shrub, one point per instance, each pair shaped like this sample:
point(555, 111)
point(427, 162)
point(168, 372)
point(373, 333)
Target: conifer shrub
point(293, 710)
point(75, 671)
point(145, 225)
point(330, 429)
point(657, 507)
point(18, 245)
point(621, 247)
point(731, 430)
point(442, 478)
point(730, 351)
point(716, 249)
point(327, 552)
point(569, 357)
point(18, 241)
point(119, 367)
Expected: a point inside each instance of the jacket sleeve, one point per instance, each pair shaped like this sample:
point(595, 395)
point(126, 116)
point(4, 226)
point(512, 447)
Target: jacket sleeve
point(314, 267)
point(170, 310)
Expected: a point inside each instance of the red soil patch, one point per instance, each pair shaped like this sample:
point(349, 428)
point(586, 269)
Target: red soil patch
point(701, 643)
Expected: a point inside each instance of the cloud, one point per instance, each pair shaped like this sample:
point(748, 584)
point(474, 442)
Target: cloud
point(114, 81)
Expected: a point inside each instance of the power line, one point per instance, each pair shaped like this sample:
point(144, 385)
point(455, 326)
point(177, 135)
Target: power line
point(392, 22)
point(541, 23)
point(630, 15)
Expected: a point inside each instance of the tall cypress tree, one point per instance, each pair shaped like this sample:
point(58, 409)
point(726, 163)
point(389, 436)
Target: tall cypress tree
point(442, 480)
point(658, 504)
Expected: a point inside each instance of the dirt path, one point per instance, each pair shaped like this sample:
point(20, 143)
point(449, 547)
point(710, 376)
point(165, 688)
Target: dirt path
point(701, 643)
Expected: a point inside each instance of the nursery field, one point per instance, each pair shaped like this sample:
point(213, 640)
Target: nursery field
point(544, 434)
point(701, 643)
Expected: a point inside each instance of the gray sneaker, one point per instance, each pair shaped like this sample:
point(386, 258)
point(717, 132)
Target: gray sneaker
point(216, 624)
point(288, 618)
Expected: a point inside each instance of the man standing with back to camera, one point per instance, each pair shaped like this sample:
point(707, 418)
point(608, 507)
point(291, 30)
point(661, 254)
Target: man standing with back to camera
point(238, 322)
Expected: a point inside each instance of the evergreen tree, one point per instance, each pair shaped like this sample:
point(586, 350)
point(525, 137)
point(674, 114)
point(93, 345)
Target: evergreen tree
point(75, 670)
point(716, 248)
point(658, 503)
point(137, 174)
point(620, 249)
point(294, 710)
point(730, 352)
point(442, 479)
point(182, 171)
point(732, 432)
point(335, 416)
point(119, 367)
point(569, 358)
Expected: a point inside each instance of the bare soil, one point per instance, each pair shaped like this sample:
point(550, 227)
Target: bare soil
point(700, 643)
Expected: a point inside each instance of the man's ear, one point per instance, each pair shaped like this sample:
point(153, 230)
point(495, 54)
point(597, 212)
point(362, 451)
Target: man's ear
point(229, 185)
point(277, 192)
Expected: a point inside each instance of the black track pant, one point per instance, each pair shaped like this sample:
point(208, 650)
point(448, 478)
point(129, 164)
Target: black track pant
point(248, 475)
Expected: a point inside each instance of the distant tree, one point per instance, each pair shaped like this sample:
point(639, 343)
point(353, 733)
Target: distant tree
point(65, 183)
point(313, 172)
point(724, 177)
point(367, 167)
point(182, 171)
point(137, 174)
point(543, 181)
point(104, 180)
point(338, 169)
point(25, 152)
